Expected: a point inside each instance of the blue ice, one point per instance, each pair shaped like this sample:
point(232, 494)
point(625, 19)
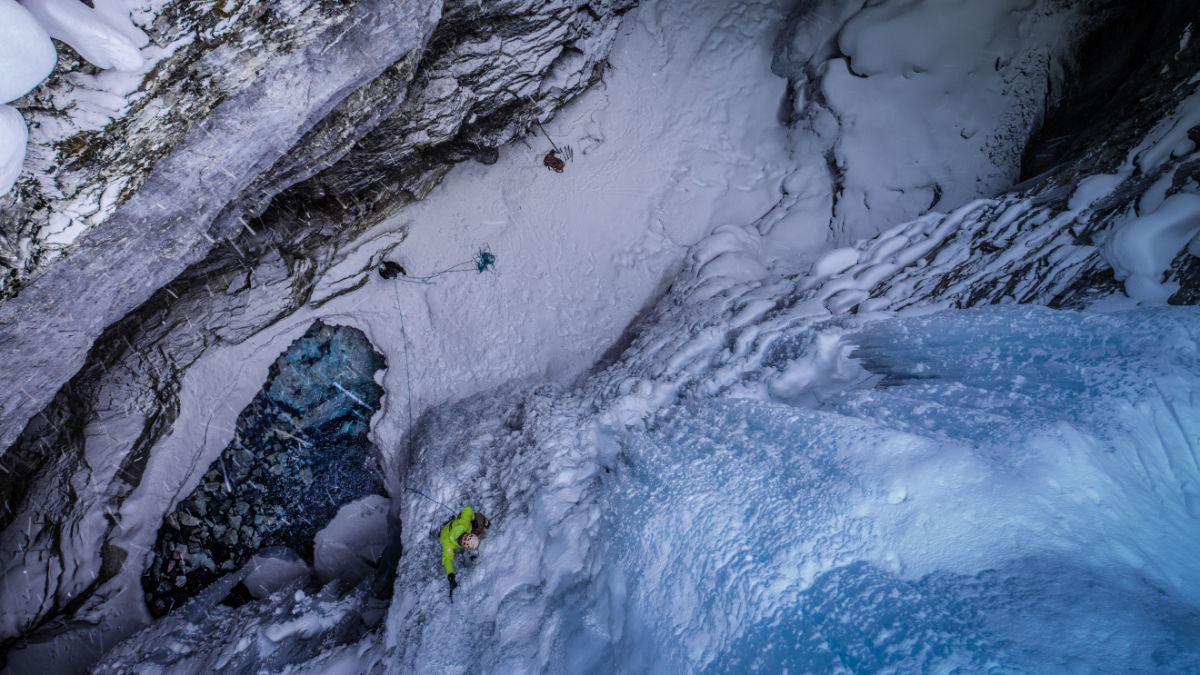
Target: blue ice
point(1014, 490)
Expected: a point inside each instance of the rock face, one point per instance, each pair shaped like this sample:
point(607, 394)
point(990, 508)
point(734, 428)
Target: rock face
point(272, 133)
point(236, 153)
point(488, 73)
point(299, 453)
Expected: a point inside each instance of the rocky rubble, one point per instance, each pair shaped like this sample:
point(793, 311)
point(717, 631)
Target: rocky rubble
point(299, 453)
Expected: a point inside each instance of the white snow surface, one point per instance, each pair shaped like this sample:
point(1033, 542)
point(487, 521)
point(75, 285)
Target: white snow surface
point(13, 138)
point(1142, 247)
point(349, 547)
point(925, 104)
point(104, 35)
point(275, 569)
point(26, 54)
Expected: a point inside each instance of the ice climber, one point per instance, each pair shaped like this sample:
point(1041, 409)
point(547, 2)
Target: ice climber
point(460, 533)
point(391, 270)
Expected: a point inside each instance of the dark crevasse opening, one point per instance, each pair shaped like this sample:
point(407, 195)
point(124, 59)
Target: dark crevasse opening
point(299, 452)
point(1118, 78)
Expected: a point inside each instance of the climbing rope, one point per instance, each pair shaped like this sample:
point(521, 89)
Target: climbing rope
point(483, 261)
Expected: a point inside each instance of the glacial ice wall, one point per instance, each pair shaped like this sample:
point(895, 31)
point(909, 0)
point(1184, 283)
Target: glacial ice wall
point(990, 481)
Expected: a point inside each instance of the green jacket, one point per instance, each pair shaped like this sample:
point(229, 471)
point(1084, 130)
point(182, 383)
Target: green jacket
point(450, 533)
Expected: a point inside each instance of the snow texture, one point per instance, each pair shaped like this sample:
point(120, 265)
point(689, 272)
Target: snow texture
point(918, 105)
point(104, 35)
point(1142, 248)
point(26, 54)
point(13, 136)
point(349, 547)
point(274, 569)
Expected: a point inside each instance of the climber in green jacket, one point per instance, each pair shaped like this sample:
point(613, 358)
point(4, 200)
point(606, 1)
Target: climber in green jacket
point(461, 532)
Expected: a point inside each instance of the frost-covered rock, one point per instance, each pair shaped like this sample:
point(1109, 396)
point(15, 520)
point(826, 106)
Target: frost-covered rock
point(26, 54)
point(274, 569)
point(208, 636)
point(350, 546)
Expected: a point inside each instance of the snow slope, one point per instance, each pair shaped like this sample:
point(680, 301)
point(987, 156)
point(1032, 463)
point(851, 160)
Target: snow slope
point(903, 107)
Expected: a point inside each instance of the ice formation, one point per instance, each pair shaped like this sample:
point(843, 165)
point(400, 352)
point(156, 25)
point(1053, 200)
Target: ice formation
point(26, 54)
point(963, 489)
point(101, 32)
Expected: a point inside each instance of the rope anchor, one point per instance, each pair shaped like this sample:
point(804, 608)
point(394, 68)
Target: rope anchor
point(483, 261)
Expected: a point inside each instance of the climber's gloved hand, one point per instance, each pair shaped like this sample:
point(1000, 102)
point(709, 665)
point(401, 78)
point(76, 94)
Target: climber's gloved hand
point(483, 520)
point(453, 585)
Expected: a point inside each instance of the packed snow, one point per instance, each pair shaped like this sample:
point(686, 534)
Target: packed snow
point(703, 443)
point(1142, 248)
point(918, 106)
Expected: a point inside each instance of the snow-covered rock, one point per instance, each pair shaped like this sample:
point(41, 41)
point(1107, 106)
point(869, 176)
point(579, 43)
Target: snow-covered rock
point(274, 569)
point(1142, 247)
point(350, 546)
point(921, 106)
